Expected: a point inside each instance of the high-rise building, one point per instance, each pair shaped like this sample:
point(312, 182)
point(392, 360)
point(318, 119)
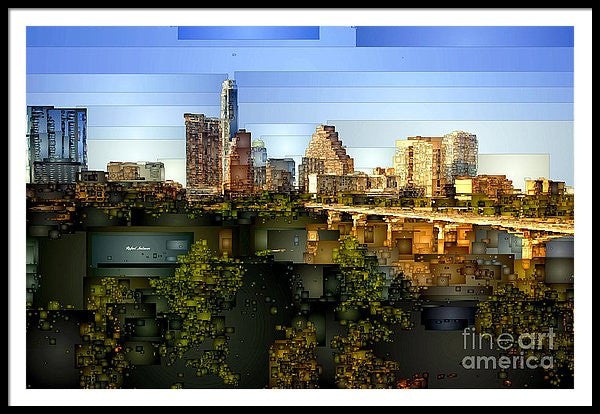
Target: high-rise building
point(57, 145)
point(281, 174)
point(241, 173)
point(492, 186)
point(229, 120)
point(203, 154)
point(259, 162)
point(459, 153)
point(325, 154)
point(432, 163)
point(438, 180)
point(413, 164)
point(418, 161)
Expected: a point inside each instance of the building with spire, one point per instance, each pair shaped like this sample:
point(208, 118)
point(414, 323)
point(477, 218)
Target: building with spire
point(229, 122)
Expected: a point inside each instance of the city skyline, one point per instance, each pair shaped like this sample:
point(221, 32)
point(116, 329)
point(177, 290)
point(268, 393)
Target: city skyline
point(517, 100)
point(209, 150)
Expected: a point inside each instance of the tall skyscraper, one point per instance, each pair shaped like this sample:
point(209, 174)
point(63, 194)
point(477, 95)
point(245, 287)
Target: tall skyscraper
point(325, 154)
point(492, 186)
point(57, 143)
point(459, 150)
point(203, 153)
point(241, 173)
point(229, 120)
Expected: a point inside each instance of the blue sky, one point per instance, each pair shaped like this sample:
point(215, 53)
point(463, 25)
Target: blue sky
point(512, 86)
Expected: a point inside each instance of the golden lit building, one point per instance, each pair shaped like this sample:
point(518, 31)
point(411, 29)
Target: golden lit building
point(438, 180)
point(383, 171)
point(332, 184)
point(544, 186)
point(431, 163)
point(325, 154)
point(413, 164)
point(492, 186)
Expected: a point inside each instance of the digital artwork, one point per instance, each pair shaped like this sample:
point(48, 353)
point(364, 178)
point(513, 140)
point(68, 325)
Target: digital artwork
point(300, 207)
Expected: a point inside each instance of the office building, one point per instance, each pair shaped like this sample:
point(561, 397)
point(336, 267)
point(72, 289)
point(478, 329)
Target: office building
point(229, 122)
point(259, 162)
point(333, 184)
point(241, 177)
point(544, 186)
point(383, 171)
point(281, 174)
point(203, 153)
point(492, 186)
point(324, 155)
point(432, 163)
point(56, 139)
point(136, 171)
point(438, 181)
point(361, 183)
point(413, 164)
point(459, 155)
